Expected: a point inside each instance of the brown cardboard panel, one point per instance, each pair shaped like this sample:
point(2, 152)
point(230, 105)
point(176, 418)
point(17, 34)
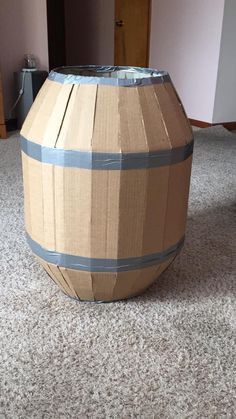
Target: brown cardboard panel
point(39, 201)
point(46, 115)
point(34, 206)
point(133, 201)
point(66, 277)
point(106, 136)
point(109, 117)
point(180, 113)
point(155, 210)
point(48, 206)
point(53, 275)
point(145, 278)
point(78, 125)
point(156, 134)
point(163, 266)
point(105, 214)
point(148, 277)
point(46, 267)
point(177, 202)
point(72, 210)
point(33, 112)
point(82, 284)
point(132, 131)
point(58, 274)
point(172, 123)
point(103, 285)
point(125, 284)
point(100, 214)
point(66, 283)
point(135, 282)
point(27, 212)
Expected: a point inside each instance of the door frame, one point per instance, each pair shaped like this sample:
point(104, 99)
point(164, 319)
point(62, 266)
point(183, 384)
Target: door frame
point(57, 35)
point(148, 35)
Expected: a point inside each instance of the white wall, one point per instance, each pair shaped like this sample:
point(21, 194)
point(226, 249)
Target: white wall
point(189, 39)
point(23, 29)
point(89, 30)
point(225, 98)
point(185, 41)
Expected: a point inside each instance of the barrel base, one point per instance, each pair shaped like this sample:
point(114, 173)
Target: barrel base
point(101, 287)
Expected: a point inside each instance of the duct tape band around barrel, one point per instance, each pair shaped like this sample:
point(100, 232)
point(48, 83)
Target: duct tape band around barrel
point(82, 263)
point(132, 76)
point(105, 161)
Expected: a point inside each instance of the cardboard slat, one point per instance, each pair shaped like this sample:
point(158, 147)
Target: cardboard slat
point(106, 136)
point(27, 212)
point(78, 125)
point(154, 126)
point(66, 277)
point(132, 130)
point(170, 118)
point(55, 273)
point(52, 275)
point(155, 210)
point(103, 286)
point(187, 134)
point(34, 197)
point(163, 266)
point(132, 202)
point(48, 205)
point(33, 115)
point(105, 214)
point(73, 210)
point(43, 123)
point(82, 284)
point(145, 279)
point(177, 202)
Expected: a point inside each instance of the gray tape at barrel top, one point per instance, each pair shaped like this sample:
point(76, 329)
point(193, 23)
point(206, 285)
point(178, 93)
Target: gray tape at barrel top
point(102, 265)
point(150, 76)
point(105, 161)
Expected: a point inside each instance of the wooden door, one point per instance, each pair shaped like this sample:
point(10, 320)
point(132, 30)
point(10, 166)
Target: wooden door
point(132, 19)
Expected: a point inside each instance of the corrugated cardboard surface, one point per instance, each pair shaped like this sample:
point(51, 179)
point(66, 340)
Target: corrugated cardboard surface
point(106, 213)
point(103, 286)
point(107, 118)
point(96, 213)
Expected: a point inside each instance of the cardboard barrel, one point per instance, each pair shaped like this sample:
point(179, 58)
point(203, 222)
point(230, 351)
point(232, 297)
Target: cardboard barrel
point(106, 163)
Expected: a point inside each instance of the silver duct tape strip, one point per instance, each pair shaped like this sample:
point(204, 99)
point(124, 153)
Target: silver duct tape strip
point(105, 161)
point(87, 75)
point(103, 265)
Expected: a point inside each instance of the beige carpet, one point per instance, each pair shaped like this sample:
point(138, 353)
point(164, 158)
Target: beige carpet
point(169, 353)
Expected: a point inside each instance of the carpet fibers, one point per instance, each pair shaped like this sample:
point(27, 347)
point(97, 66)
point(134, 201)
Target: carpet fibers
point(169, 353)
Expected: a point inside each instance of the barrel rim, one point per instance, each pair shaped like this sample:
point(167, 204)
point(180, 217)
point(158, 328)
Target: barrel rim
point(94, 74)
